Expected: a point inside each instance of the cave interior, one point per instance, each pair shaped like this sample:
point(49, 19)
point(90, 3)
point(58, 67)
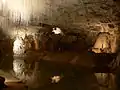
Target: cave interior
point(65, 44)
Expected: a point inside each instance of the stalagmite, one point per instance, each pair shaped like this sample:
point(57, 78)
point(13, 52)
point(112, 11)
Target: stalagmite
point(27, 43)
point(36, 41)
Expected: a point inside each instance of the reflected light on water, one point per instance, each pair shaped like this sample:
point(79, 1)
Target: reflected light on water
point(56, 79)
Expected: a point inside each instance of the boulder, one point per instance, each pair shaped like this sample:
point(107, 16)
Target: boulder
point(2, 84)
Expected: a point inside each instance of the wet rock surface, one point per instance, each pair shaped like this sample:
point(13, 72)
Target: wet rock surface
point(2, 82)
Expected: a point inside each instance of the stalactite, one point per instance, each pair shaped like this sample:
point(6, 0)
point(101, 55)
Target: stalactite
point(21, 10)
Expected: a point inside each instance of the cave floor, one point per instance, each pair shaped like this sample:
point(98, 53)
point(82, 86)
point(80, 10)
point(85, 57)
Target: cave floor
point(11, 82)
point(8, 77)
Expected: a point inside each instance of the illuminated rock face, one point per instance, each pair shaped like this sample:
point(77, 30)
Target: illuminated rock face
point(102, 42)
point(18, 47)
point(105, 42)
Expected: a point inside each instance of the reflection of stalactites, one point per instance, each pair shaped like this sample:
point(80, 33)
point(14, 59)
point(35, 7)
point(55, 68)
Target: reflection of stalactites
point(102, 78)
point(18, 66)
point(106, 80)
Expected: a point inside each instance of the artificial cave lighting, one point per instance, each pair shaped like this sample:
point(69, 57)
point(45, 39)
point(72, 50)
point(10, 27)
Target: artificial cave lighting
point(57, 31)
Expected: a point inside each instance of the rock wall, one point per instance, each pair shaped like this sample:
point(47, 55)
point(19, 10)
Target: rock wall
point(90, 17)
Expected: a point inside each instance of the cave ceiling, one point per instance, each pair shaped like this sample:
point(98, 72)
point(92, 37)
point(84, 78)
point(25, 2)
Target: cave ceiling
point(89, 15)
point(82, 13)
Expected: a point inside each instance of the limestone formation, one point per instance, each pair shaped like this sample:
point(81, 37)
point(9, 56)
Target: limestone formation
point(105, 43)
